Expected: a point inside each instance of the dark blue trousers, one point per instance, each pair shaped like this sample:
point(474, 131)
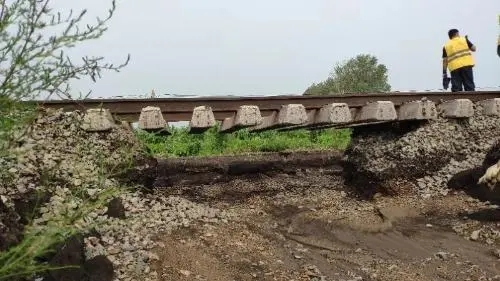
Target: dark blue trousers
point(462, 79)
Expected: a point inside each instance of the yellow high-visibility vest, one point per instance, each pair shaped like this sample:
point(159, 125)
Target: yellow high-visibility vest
point(458, 53)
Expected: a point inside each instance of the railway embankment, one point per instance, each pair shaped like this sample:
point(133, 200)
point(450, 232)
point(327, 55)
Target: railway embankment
point(155, 207)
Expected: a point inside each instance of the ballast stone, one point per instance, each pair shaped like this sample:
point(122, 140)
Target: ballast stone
point(126, 125)
point(97, 120)
point(334, 113)
point(491, 107)
point(458, 108)
point(417, 110)
point(151, 118)
point(377, 111)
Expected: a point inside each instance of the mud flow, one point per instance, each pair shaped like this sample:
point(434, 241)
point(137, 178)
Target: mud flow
point(306, 224)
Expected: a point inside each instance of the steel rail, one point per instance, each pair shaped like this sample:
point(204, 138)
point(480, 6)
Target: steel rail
point(180, 109)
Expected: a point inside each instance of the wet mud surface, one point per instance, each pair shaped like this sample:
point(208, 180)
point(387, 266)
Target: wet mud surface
point(305, 224)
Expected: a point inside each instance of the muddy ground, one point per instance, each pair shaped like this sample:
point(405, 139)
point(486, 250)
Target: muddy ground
point(305, 224)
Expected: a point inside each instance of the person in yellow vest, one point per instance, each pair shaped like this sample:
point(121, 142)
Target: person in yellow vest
point(457, 57)
point(498, 40)
point(498, 46)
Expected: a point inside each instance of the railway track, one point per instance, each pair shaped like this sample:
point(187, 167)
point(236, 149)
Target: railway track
point(181, 109)
point(287, 112)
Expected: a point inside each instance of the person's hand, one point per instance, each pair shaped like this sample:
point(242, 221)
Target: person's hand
point(446, 82)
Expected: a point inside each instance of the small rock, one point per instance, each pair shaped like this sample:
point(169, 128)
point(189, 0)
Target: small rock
point(426, 196)
point(116, 209)
point(496, 253)
point(475, 235)
point(99, 268)
point(128, 247)
point(442, 255)
point(470, 200)
point(113, 250)
point(392, 267)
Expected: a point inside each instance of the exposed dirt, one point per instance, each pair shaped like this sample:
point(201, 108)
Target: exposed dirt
point(306, 225)
point(202, 171)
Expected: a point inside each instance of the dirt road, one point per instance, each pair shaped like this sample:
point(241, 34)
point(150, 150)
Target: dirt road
point(306, 225)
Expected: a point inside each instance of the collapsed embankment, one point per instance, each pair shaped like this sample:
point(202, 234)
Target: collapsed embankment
point(63, 176)
point(57, 172)
point(70, 165)
point(423, 157)
point(293, 220)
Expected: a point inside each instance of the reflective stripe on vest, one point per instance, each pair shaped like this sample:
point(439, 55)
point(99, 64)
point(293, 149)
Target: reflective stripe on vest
point(458, 53)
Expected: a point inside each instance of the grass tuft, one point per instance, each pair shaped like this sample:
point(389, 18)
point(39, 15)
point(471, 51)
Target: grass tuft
point(211, 143)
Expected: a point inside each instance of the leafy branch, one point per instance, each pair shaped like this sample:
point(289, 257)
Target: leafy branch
point(34, 40)
point(33, 60)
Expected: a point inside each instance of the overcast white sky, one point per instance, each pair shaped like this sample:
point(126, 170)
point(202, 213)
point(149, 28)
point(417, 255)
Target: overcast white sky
point(222, 47)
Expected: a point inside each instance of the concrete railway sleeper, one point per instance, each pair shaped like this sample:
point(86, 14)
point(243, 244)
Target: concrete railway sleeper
point(297, 116)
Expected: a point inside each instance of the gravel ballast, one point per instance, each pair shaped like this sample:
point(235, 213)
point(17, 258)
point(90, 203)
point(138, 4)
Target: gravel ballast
point(72, 165)
point(58, 158)
point(130, 243)
point(423, 156)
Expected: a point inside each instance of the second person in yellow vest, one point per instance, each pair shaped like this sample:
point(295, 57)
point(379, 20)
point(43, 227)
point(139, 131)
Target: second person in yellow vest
point(457, 57)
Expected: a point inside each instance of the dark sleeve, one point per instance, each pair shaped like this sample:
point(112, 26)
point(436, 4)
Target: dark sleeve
point(469, 43)
point(444, 53)
point(498, 50)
